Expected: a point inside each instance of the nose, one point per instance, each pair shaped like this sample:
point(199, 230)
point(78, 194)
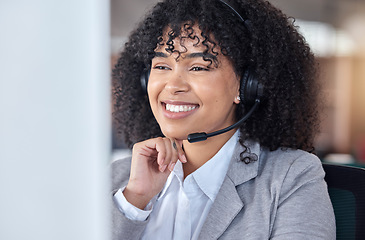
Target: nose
point(177, 83)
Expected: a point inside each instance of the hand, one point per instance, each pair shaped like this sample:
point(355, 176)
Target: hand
point(152, 162)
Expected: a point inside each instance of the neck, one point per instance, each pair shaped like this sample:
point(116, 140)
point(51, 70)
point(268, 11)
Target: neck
point(199, 153)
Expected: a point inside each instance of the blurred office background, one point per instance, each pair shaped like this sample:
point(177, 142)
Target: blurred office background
point(335, 31)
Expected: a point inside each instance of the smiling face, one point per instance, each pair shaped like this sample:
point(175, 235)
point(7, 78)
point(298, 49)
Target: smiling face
point(188, 94)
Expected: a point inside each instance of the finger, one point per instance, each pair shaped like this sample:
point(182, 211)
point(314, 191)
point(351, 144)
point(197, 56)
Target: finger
point(180, 151)
point(174, 156)
point(165, 149)
point(155, 148)
point(151, 150)
point(169, 152)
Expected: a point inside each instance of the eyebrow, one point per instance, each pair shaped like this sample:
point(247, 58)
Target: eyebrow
point(190, 55)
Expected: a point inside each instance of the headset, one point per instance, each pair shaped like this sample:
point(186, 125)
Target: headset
point(251, 90)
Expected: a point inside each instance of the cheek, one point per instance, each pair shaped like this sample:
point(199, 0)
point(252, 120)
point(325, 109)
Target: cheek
point(153, 88)
point(152, 95)
point(219, 91)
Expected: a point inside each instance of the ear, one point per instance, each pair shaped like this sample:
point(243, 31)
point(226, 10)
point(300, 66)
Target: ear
point(237, 99)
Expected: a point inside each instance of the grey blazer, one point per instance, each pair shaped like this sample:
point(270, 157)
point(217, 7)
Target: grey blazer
point(282, 195)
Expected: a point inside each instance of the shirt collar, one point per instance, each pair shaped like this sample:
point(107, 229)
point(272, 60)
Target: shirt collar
point(210, 176)
point(177, 173)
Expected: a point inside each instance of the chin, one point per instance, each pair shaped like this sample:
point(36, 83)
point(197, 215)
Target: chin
point(175, 135)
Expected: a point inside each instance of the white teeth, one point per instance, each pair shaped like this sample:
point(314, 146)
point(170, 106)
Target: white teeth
point(179, 108)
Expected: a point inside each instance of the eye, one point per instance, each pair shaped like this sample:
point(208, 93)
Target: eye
point(199, 69)
point(161, 67)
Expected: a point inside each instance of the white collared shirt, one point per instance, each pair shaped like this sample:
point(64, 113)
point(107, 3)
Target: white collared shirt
point(180, 209)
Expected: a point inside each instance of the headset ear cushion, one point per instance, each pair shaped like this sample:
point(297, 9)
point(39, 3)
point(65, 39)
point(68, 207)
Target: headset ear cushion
point(250, 89)
point(144, 79)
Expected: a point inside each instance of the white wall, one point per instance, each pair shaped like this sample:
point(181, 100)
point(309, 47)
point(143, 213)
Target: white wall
point(54, 119)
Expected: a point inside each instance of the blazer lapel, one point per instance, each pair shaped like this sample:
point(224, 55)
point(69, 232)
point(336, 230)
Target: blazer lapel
point(225, 207)
point(228, 202)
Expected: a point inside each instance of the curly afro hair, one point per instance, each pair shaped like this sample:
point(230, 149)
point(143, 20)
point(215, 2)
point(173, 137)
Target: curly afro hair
point(268, 45)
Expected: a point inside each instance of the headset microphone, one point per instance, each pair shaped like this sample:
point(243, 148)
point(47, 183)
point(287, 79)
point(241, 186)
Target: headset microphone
point(198, 137)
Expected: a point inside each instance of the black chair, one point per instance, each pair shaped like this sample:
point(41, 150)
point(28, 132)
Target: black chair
point(346, 187)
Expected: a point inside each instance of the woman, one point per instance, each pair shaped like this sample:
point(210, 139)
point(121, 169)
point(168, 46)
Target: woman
point(206, 65)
